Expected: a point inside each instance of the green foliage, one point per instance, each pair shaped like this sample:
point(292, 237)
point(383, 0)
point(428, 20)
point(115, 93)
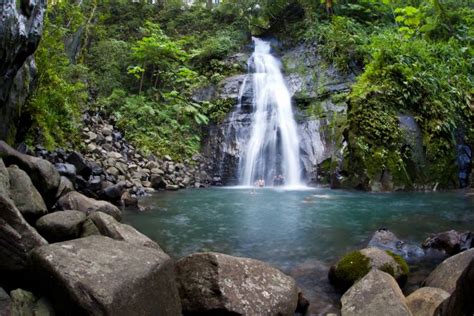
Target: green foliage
point(56, 105)
point(352, 267)
point(341, 42)
point(430, 80)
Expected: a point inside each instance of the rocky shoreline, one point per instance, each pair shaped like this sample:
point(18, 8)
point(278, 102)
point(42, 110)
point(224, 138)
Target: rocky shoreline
point(111, 169)
point(65, 253)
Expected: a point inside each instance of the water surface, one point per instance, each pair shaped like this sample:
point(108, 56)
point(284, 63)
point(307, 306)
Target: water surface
point(301, 232)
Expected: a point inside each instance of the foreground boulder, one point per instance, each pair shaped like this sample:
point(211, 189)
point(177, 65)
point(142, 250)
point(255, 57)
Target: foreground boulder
point(425, 300)
point(357, 264)
point(61, 226)
point(17, 237)
point(100, 276)
point(451, 242)
point(108, 226)
point(460, 302)
point(42, 173)
point(386, 240)
point(213, 283)
point(448, 272)
point(24, 194)
point(77, 201)
point(375, 294)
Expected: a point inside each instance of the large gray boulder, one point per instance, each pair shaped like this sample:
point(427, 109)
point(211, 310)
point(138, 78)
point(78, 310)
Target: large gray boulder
point(448, 272)
point(375, 294)
point(217, 283)
point(425, 300)
point(24, 194)
point(61, 226)
point(460, 302)
point(42, 173)
point(5, 303)
point(108, 226)
point(17, 237)
point(97, 275)
point(79, 202)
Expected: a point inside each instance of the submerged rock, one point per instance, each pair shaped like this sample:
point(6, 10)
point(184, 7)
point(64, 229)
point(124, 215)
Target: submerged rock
point(100, 276)
point(357, 264)
point(375, 294)
point(448, 272)
point(386, 240)
point(76, 201)
point(221, 284)
point(425, 300)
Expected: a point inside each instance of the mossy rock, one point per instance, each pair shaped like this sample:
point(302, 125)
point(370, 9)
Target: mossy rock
point(355, 265)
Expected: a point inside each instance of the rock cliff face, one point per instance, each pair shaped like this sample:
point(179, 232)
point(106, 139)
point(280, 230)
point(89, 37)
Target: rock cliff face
point(21, 27)
point(314, 87)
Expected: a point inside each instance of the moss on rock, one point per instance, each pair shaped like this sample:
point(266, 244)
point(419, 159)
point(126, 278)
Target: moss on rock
point(355, 265)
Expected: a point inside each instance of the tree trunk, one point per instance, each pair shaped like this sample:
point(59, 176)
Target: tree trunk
point(209, 4)
point(141, 80)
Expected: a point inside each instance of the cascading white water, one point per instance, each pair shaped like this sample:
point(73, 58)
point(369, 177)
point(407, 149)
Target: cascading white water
point(273, 146)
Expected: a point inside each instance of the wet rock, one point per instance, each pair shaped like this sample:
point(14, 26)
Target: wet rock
point(5, 303)
point(218, 283)
point(357, 264)
point(376, 292)
point(42, 173)
point(460, 302)
point(114, 192)
point(24, 194)
point(17, 237)
point(425, 300)
point(99, 275)
point(451, 242)
point(76, 201)
point(448, 272)
point(61, 226)
point(172, 187)
point(128, 200)
point(386, 240)
point(108, 226)
point(303, 305)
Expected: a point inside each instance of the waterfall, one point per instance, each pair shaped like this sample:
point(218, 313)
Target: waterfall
point(273, 146)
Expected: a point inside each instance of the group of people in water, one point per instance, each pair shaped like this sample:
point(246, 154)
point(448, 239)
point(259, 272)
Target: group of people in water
point(277, 181)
